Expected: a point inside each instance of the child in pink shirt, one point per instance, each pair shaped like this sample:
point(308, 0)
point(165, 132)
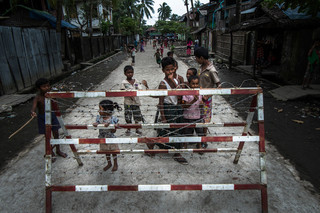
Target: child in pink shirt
point(192, 105)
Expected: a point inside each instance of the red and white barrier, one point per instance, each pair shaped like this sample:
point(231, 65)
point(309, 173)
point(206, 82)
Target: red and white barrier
point(256, 105)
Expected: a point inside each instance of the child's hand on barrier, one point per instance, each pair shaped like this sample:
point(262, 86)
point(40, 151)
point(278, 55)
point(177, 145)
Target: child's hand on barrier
point(95, 124)
point(106, 124)
point(33, 114)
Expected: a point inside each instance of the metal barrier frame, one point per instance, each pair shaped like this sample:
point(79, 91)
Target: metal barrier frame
point(256, 105)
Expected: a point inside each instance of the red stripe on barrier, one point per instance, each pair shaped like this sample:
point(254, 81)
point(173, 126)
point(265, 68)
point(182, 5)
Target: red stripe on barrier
point(123, 188)
point(217, 139)
point(204, 150)
point(186, 187)
point(247, 187)
point(48, 137)
point(60, 95)
point(76, 126)
point(245, 91)
point(114, 152)
point(63, 188)
point(153, 140)
point(92, 140)
point(121, 94)
point(234, 124)
point(156, 151)
point(182, 92)
point(262, 146)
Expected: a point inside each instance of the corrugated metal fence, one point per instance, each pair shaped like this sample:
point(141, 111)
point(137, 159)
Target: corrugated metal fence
point(26, 55)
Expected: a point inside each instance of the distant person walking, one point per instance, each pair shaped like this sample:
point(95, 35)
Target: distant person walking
point(189, 44)
point(313, 64)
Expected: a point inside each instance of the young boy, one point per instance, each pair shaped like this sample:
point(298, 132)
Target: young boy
point(208, 78)
point(43, 87)
point(132, 104)
point(168, 106)
point(170, 54)
point(133, 55)
point(192, 105)
point(158, 57)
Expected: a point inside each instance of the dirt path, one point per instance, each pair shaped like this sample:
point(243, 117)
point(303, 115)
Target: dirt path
point(22, 183)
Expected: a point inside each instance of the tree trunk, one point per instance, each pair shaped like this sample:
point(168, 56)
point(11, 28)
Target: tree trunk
point(188, 20)
point(193, 12)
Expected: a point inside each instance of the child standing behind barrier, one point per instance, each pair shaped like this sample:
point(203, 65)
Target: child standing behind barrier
point(192, 105)
point(43, 87)
point(105, 117)
point(132, 104)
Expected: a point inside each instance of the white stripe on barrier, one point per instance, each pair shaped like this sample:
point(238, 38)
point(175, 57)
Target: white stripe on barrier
point(151, 93)
point(89, 94)
point(245, 138)
point(92, 188)
point(217, 186)
point(215, 92)
point(184, 139)
point(154, 187)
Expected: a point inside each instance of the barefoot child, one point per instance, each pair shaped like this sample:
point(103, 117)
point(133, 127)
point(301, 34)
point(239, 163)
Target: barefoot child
point(43, 87)
point(132, 104)
point(105, 117)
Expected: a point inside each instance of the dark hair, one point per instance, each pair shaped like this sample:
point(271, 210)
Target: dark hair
point(167, 61)
point(128, 67)
point(194, 70)
point(192, 77)
point(41, 81)
point(109, 106)
point(169, 53)
point(201, 52)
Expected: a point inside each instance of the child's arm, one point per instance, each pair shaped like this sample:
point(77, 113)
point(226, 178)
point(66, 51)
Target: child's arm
point(34, 106)
point(144, 82)
point(161, 102)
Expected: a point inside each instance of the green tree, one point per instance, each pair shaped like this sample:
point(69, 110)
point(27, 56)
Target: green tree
point(164, 11)
point(174, 17)
point(311, 7)
point(197, 4)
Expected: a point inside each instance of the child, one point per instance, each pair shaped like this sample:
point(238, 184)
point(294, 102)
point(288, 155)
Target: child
point(190, 72)
point(43, 87)
point(158, 57)
point(189, 43)
point(132, 104)
point(208, 78)
point(313, 64)
point(168, 106)
point(170, 54)
point(161, 50)
point(133, 55)
point(192, 105)
point(105, 117)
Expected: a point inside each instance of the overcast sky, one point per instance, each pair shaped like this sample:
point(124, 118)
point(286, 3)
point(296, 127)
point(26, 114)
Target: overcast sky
point(177, 7)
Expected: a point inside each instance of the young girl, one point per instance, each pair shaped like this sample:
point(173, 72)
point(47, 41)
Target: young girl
point(133, 55)
point(161, 50)
point(105, 117)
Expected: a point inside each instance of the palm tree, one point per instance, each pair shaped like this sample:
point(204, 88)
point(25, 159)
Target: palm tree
point(144, 8)
point(187, 5)
point(164, 11)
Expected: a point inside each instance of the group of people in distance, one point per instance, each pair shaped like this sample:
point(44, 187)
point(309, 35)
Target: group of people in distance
point(173, 109)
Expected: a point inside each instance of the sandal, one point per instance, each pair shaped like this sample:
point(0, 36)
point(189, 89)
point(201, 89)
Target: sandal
point(180, 159)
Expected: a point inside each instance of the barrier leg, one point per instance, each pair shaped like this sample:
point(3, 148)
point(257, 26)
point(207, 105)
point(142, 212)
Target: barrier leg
point(48, 200)
point(249, 119)
point(76, 155)
point(264, 200)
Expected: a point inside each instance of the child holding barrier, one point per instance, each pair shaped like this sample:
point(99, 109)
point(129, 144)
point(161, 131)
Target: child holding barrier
point(106, 108)
point(193, 105)
point(132, 104)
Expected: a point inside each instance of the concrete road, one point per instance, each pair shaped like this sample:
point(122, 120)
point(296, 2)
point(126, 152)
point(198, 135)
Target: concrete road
point(22, 183)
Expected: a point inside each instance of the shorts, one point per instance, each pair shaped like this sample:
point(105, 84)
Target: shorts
point(42, 123)
point(132, 111)
point(189, 131)
point(133, 59)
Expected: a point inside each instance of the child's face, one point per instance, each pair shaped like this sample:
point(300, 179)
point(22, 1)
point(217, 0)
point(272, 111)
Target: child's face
point(194, 83)
point(44, 88)
point(129, 74)
point(103, 112)
point(169, 70)
point(189, 73)
point(199, 60)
